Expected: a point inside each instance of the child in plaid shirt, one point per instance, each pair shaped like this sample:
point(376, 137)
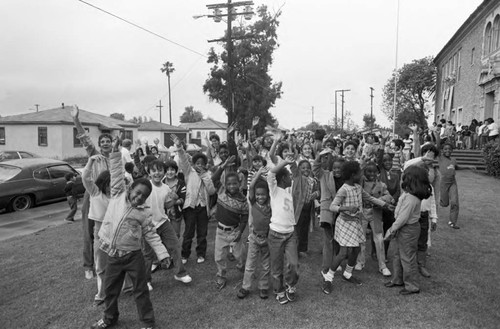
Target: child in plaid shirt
point(348, 230)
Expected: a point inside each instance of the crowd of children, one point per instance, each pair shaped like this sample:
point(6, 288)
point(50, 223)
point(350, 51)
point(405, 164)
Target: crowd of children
point(266, 195)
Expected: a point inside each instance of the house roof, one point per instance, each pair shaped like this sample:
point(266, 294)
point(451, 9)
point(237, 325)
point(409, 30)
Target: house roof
point(159, 126)
point(205, 124)
point(471, 20)
point(62, 116)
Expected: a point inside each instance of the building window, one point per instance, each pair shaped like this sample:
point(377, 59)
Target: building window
point(76, 140)
point(2, 135)
point(472, 56)
point(496, 32)
point(487, 40)
point(198, 134)
point(129, 134)
point(42, 136)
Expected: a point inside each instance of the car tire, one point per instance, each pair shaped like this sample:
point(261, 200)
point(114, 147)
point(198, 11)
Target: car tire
point(21, 203)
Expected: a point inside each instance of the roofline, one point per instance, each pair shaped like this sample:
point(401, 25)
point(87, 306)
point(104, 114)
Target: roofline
point(164, 129)
point(59, 123)
point(461, 30)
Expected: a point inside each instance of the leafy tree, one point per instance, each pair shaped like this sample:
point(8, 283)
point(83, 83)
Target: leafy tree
point(118, 116)
point(416, 83)
point(369, 120)
point(254, 91)
point(190, 115)
point(137, 120)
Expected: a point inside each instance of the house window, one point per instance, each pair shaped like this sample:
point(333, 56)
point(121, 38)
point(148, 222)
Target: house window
point(105, 131)
point(129, 134)
point(2, 135)
point(42, 136)
point(487, 40)
point(76, 140)
point(472, 56)
point(496, 32)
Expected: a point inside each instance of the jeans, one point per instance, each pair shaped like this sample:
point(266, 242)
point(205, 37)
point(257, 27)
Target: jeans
point(195, 220)
point(224, 240)
point(73, 206)
point(176, 224)
point(281, 246)
point(376, 226)
point(133, 265)
point(330, 246)
point(302, 227)
point(171, 242)
point(257, 247)
point(88, 234)
point(100, 261)
point(449, 197)
point(405, 268)
point(423, 238)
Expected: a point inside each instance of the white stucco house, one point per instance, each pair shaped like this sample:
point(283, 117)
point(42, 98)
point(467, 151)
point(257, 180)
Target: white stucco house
point(153, 129)
point(52, 133)
point(205, 128)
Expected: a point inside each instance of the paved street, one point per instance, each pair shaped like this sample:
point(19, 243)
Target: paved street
point(33, 220)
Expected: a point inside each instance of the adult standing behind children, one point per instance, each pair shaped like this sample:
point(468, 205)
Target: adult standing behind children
point(100, 164)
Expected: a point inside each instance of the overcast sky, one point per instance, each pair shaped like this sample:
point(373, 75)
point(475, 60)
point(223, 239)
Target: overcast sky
point(55, 51)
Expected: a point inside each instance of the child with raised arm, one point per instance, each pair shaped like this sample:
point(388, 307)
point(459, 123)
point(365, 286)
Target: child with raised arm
point(199, 187)
point(348, 230)
point(232, 218)
point(406, 229)
point(282, 238)
point(258, 247)
point(125, 222)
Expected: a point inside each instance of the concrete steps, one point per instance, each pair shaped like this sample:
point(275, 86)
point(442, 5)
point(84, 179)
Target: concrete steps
point(470, 158)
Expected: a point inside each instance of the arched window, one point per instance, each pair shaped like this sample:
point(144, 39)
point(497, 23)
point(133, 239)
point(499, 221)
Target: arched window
point(496, 33)
point(487, 39)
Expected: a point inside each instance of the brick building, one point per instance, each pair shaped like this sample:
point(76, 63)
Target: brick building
point(468, 69)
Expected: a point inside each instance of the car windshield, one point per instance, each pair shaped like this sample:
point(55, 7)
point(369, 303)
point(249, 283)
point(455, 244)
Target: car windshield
point(7, 172)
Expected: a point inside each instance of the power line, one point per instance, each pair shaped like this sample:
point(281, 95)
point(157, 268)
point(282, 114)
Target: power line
point(142, 28)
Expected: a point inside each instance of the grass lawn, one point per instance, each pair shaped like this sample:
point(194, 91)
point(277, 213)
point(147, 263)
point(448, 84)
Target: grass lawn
point(42, 283)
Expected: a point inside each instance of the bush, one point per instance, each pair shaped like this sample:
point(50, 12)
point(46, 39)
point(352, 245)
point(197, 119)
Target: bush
point(491, 154)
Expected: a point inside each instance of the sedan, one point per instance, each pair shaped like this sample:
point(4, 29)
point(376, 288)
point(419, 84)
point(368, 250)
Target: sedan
point(28, 182)
point(11, 155)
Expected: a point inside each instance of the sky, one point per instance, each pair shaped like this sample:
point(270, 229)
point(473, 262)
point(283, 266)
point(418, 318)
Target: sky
point(65, 51)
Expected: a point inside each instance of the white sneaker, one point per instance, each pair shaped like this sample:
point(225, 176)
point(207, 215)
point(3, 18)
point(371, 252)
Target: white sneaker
point(184, 260)
point(200, 260)
point(150, 286)
point(339, 269)
point(385, 272)
point(89, 274)
point(327, 276)
point(184, 279)
point(154, 267)
point(359, 267)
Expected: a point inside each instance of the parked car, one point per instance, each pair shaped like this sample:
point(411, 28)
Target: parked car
point(28, 182)
point(11, 155)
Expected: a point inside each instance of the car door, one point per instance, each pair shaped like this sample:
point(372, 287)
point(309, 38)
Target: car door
point(58, 180)
point(43, 187)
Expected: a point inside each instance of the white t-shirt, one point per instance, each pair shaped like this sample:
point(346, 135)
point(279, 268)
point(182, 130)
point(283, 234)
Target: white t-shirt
point(492, 129)
point(283, 216)
point(126, 156)
point(156, 202)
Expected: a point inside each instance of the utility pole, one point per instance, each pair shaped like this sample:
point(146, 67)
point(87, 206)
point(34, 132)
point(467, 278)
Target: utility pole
point(341, 91)
point(167, 69)
point(37, 105)
point(312, 114)
point(371, 110)
point(159, 108)
point(228, 39)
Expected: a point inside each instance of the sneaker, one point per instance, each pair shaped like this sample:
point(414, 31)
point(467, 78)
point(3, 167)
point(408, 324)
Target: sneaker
point(184, 279)
point(385, 272)
point(150, 286)
point(327, 276)
point(69, 220)
point(101, 324)
point(290, 293)
point(263, 293)
point(89, 274)
point(220, 283)
point(339, 269)
point(200, 260)
point(352, 279)
point(97, 302)
point(327, 287)
point(184, 260)
point(154, 267)
point(281, 298)
point(359, 267)
point(242, 293)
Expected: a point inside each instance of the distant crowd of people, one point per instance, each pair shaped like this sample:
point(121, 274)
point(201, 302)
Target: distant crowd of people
point(144, 210)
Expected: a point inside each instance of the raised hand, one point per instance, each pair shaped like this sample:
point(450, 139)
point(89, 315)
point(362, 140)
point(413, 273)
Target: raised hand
point(413, 127)
point(75, 111)
point(175, 140)
point(289, 159)
point(117, 141)
point(255, 121)
point(229, 162)
point(231, 127)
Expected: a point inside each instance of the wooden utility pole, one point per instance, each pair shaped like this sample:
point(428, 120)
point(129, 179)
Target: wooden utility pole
point(168, 68)
point(312, 114)
point(159, 108)
point(371, 111)
point(341, 91)
point(37, 105)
